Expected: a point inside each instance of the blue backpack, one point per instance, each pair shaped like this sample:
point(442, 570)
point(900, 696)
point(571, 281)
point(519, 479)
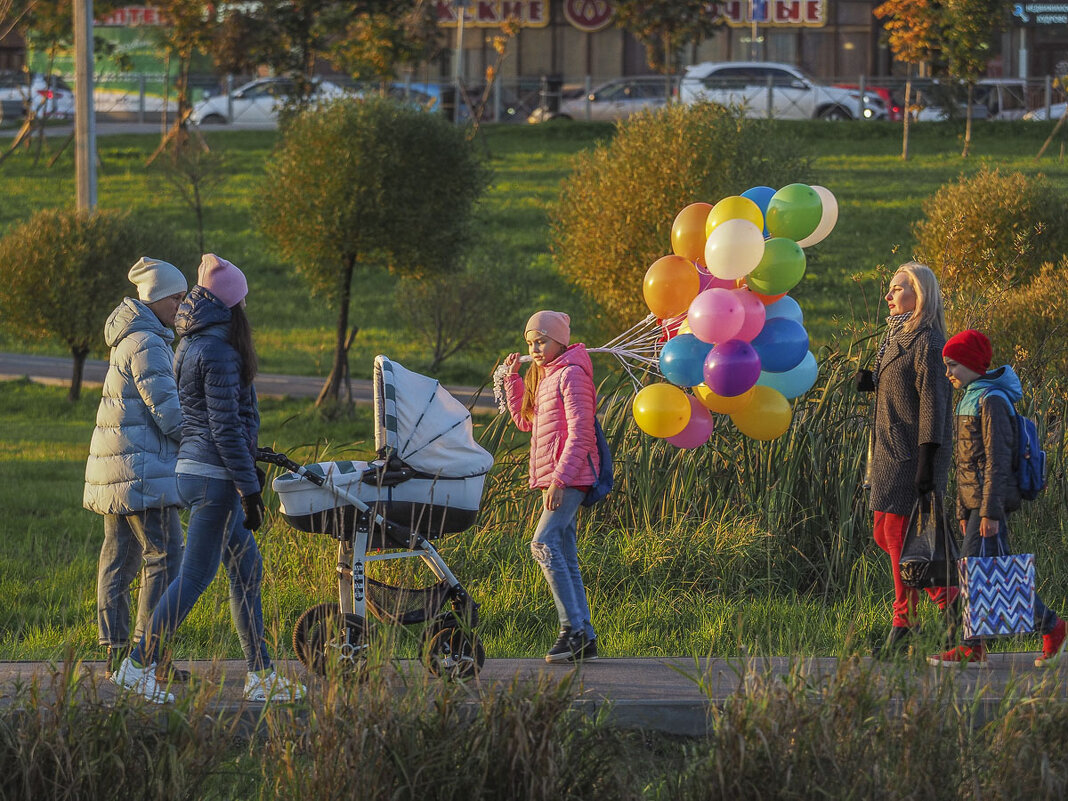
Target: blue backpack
point(1030, 458)
point(605, 476)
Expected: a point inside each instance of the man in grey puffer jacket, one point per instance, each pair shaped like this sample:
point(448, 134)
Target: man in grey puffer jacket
point(129, 478)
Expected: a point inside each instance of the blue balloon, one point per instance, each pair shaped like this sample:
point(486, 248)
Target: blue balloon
point(761, 195)
point(785, 307)
point(781, 345)
point(682, 360)
point(793, 383)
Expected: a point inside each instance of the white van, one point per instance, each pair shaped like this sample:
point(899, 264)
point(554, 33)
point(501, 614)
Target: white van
point(778, 91)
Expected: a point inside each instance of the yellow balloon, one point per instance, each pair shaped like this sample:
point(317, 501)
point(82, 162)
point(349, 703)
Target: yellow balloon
point(670, 286)
point(766, 417)
point(661, 410)
point(684, 327)
point(719, 404)
point(688, 231)
point(734, 207)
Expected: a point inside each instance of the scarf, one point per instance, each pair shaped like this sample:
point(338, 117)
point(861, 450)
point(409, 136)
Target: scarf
point(894, 324)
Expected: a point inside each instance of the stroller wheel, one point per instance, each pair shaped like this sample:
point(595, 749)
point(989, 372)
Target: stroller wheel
point(329, 642)
point(452, 652)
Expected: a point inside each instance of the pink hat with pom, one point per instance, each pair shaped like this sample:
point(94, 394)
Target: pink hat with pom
point(222, 279)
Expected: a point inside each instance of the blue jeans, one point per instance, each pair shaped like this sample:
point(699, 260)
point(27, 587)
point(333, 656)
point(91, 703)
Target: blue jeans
point(555, 549)
point(975, 545)
point(149, 543)
point(216, 533)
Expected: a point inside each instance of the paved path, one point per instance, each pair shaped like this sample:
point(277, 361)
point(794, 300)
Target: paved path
point(671, 695)
point(57, 371)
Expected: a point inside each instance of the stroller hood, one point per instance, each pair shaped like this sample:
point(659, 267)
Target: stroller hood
point(419, 422)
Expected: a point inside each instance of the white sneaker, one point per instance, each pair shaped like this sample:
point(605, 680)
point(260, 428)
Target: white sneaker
point(272, 687)
point(141, 680)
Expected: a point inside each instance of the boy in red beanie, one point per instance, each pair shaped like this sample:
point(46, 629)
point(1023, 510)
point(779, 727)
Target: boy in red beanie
point(987, 489)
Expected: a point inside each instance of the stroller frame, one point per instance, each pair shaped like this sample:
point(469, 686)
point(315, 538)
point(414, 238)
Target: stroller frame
point(450, 646)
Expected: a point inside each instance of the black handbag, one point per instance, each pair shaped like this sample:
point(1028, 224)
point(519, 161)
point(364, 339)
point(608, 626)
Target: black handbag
point(929, 553)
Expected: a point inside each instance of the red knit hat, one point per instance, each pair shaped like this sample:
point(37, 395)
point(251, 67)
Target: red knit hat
point(970, 348)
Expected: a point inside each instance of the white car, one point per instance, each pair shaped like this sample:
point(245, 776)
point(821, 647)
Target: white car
point(1055, 112)
point(49, 97)
point(615, 100)
point(257, 102)
point(992, 99)
point(780, 91)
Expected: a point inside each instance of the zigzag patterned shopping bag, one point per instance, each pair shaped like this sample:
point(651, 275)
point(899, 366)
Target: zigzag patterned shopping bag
point(998, 595)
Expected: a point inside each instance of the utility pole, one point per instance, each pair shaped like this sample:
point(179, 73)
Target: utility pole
point(84, 116)
point(458, 63)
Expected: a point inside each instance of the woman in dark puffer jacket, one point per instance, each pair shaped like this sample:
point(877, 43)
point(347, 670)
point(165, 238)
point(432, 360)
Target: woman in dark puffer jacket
point(218, 480)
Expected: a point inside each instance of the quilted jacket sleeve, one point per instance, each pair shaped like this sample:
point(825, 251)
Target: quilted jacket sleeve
point(580, 407)
point(152, 370)
point(222, 391)
point(999, 441)
point(514, 389)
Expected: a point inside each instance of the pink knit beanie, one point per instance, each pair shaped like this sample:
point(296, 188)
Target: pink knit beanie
point(222, 279)
point(555, 325)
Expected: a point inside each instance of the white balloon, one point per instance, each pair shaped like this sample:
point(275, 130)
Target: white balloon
point(734, 249)
point(827, 220)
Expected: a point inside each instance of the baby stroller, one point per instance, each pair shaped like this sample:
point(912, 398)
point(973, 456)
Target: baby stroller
point(426, 482)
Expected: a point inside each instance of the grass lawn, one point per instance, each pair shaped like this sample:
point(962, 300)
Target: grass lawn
point(665, 585)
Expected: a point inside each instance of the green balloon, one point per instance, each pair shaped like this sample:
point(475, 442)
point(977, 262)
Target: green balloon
point(794, 212)
point(780, 268)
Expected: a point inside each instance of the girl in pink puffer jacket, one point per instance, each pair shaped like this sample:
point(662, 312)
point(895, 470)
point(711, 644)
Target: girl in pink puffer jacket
point(557, 403)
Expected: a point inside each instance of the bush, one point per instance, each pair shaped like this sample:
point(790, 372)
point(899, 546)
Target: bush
point(614, 214)
point(991, 229)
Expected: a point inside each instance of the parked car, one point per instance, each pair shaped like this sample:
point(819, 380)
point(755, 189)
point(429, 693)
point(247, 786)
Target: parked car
point(48, 96)
point(992, 99)
point(1054, 112)
point(793, 93)
point(615, 100)
point(257, 102)
point(894, 106)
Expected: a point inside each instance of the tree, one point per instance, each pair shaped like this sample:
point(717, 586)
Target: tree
point(614, 214)
point(63, 271)
point(665, 26)
point(362, 183)
point(912, 28)
point(385, 34)
point(967, 34)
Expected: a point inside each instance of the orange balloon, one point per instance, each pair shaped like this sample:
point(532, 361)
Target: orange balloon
point(688, 232)
point(721, 405)
point(767, 300)
point(670, 286)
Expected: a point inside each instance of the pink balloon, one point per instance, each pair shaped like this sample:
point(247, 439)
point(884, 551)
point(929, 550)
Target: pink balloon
point(715, 315)
point(698, 430)
point(754, 314)
point(709, 281)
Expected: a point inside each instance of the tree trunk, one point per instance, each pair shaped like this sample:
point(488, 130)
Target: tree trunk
point(1052, 134)
point(80, 354)
point(968, 124)
point(908, 115)
point(331, 391)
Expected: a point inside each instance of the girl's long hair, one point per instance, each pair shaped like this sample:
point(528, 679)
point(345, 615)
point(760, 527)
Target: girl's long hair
point(929, 307)
point(531, 380)
point(241, 339)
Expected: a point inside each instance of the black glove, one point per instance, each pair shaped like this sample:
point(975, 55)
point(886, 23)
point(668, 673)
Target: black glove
point(925, 468)
point(254, 511)
point(261, 476)
point(863, 381)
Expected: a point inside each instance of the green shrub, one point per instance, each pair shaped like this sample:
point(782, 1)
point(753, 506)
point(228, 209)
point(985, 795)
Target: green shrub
point(614, 214)
point(991, 229)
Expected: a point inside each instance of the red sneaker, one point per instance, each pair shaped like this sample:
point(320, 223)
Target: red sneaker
point(961, 656)
point(1052, 646)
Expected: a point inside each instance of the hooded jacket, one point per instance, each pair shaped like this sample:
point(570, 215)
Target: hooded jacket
point(138, 423)
point(986, 445)
point(221, 417)
point(563, 445)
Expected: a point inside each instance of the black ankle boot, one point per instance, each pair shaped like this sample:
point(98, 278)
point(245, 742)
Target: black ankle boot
point(896, 642)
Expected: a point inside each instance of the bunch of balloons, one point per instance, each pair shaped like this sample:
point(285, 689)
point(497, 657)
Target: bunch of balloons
point(733, 336)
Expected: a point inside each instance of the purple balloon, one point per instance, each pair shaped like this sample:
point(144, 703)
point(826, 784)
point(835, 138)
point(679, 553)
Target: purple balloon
point(698, 430)
point(731, 368)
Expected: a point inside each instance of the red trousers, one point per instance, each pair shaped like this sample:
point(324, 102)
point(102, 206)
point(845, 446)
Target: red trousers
point(890, 535)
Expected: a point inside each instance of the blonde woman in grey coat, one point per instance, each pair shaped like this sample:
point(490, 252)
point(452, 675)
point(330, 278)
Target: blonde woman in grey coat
point(913, 428)
point(129, 477)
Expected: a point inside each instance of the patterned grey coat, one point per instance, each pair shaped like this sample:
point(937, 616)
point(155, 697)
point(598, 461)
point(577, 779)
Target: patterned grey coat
point(913, 405)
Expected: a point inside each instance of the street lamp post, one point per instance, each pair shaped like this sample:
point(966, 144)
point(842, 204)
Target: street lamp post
point(84, 117)
point(458, 61)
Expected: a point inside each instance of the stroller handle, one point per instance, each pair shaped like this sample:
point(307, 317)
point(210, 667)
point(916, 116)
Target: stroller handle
point(281, 460)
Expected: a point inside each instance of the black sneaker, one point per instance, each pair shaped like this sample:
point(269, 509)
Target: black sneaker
point(583, 649)
point(561, 650)
point(897, 643)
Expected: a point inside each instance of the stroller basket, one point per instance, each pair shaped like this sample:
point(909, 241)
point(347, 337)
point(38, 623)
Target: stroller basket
point(405, 605)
